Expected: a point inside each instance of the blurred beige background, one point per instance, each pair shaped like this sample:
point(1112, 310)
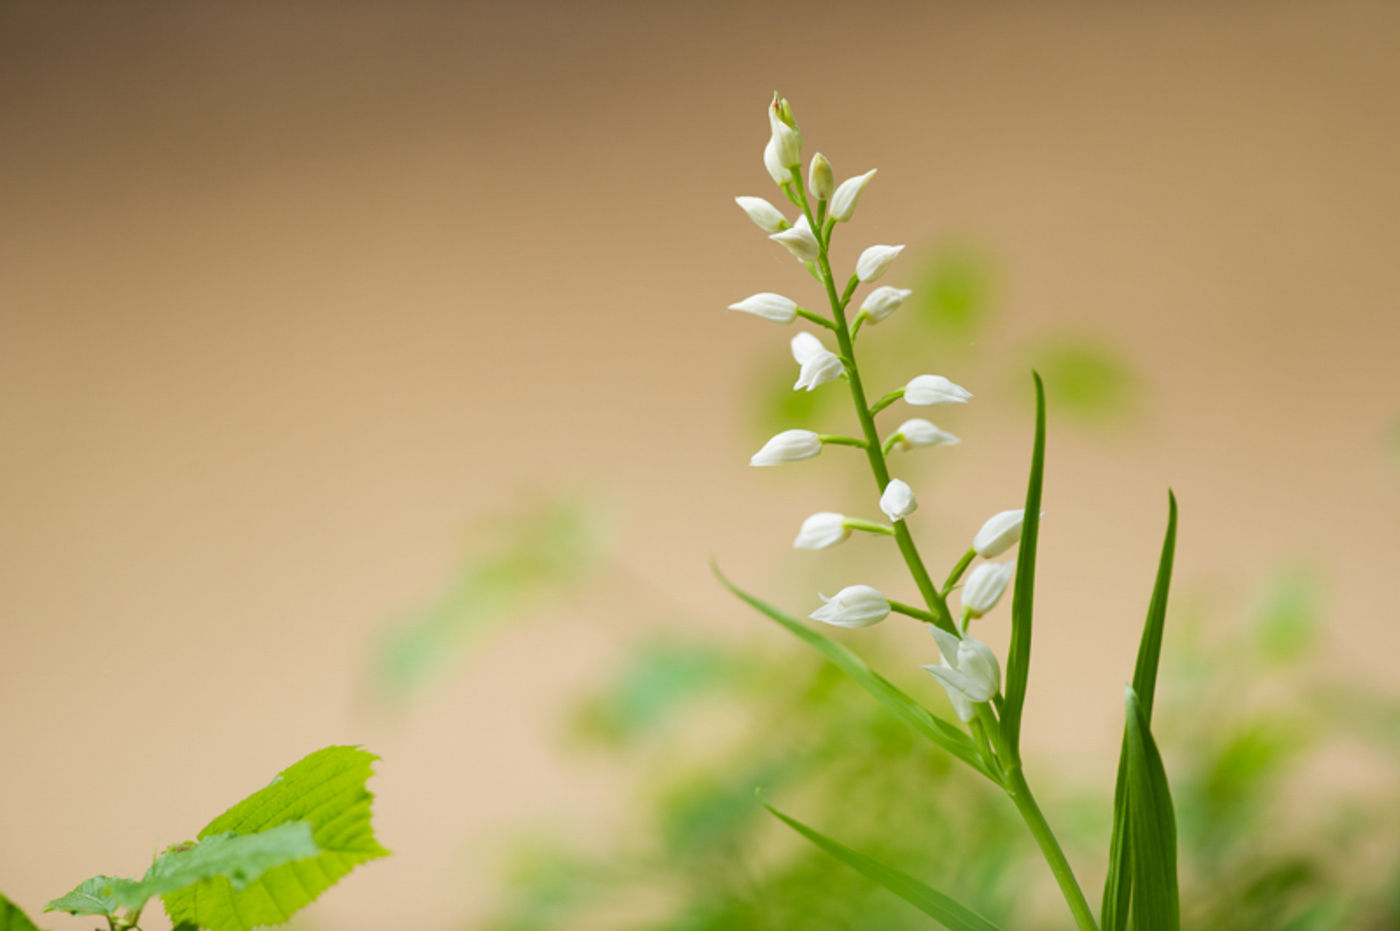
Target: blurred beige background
point(292, 294)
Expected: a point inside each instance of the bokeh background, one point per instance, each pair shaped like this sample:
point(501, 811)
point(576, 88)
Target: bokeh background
point(365, 377)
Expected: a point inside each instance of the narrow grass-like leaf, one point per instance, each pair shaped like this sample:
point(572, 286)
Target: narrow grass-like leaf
point(1117, 890)
point(1151, 829)
point(941, 732)
point(1018, 654)
point(326, 790)
point(12, 918)
point(926, 899)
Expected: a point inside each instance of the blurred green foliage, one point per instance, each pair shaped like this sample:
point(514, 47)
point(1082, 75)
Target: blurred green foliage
point(704, 856)
point(529, 556)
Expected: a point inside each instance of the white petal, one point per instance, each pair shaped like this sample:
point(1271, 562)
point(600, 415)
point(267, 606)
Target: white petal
point(1001, 532)
point(898, 500)
point(788, 446)
point(805, 346)
point(853, 606)
point(957, 686)
point(822, 530)
point(985, 585)
point(769, 306)
point(923, 390)
point(843, 202)
point(918, 432)
point(947, 645)
point(818, 370)
point(884, 301)
point(768, 218)
point(979, 664)
point(875, 260)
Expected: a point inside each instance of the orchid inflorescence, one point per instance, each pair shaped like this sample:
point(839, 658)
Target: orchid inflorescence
point(1141, 879)
point(808, 238)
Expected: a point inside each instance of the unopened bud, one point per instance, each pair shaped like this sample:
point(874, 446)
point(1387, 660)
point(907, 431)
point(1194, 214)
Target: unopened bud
point(916, 432)
point(788, 446)
point(799, 241)
point(853, 606)
point(1001, 532)
point(821, 530)
point(769, 306)
point(898, 501)
point(985, 585)
point(768, 218)
point(924, 390)
point(883, 301)
point(774, 163)
point(874, 261)
point(818, 369)
point(821, 181)
point(843, 202)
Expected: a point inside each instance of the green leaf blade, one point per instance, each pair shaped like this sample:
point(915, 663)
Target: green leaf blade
point(100, 895)
point(327, 791)
point(1151, 829)
point(949, 912)
point(1117, 891)
point(1018, 654)
point(13, 918)
point(925, 722)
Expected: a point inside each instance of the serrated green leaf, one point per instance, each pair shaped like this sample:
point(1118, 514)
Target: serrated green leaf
point(1117, 891)
point(241, 858)
point(326, 790)
point(1018, 654)
point(12, 918)
point(1155, 904)
point(949, 912)
point(100, 895)
point(941, 732)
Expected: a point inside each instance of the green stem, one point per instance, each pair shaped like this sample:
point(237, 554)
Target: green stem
point(919, 614)
point(886, 401)
point(955, 576)
point(834, 439)
point(816, 318)
point(881, 471)
point(1020, 793)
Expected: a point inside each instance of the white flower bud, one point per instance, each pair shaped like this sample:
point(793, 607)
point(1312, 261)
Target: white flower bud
point(924, 390)
point(853, 606)
point(769, 306)
point(774, 163)
point(768, 218)
point(820, 179)
point(788, 446)
point(843, 202)
point(898, 501)
point(819, 369)
point(787, 141)
point(873, 261)
point(883, 301)
point(822, 530)
point(1001, 532)
point(805, 346)
point(799, 240)
point(969, 672)
point(985, 585)
point(917, 432)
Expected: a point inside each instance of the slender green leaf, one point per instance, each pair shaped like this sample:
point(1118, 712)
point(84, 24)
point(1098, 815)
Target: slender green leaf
point(1117, 890)
point(941, 732)
point(327, 790)
point(930, 901)
point(100, 895)
point(1155, 903)
point(12, 918)
point(1018, 655)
